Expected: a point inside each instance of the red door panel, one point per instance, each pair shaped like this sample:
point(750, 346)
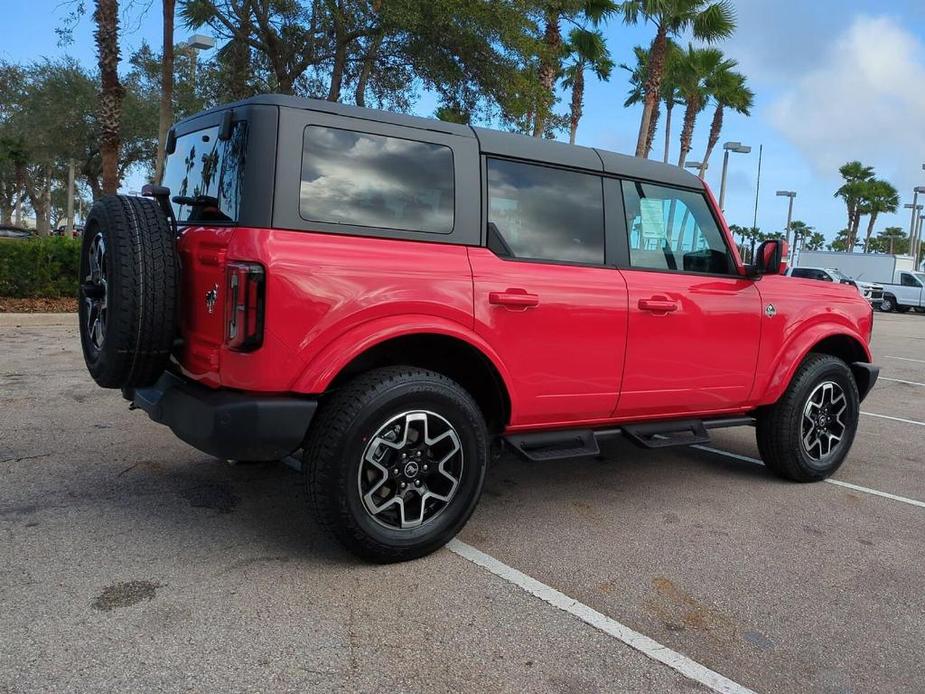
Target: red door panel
point(692, 344)
point(561, 329)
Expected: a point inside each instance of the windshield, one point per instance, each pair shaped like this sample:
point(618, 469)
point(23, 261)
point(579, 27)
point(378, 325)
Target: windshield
point(920, 276)
point(838, 276)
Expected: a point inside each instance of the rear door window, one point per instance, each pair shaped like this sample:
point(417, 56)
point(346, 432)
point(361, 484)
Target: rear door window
point(542, 213)
point(369, 180)
point(207, 175)
point(673, 229)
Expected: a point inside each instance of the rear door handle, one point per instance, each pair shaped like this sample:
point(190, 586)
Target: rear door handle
point(658, 304)
point(516, 298)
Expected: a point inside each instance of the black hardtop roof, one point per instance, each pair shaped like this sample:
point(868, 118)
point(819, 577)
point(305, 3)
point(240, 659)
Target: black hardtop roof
point(490, 141)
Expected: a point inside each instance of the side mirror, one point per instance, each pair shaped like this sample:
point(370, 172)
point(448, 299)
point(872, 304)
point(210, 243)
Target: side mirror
point(769, 258)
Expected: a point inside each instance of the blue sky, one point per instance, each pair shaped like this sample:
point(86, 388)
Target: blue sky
point(835, 80)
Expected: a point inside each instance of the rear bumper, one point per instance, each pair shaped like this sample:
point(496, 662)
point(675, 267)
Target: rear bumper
point(227, 424)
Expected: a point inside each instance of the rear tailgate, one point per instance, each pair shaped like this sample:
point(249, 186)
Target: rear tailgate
point(203, 257)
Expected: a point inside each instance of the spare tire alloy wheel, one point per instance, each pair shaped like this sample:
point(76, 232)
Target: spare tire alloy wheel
point(95, 292)
point(410, 469)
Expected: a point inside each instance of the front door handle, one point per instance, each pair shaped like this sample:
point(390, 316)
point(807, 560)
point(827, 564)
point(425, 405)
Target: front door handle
point(658, 304)
point(517, 298)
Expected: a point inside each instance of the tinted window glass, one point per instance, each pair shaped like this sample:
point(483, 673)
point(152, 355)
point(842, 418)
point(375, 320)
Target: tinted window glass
point(908, 280)
point(672, 229)
point(209, 173)
point(800, 272)
point(376, 181)
point(547, 214)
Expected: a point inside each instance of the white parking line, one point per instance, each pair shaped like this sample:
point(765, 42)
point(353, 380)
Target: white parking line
point(885, 495)
point(848, 485)
point(640, 642)
point(899, 380)
point(917, 361)
point(895, 419)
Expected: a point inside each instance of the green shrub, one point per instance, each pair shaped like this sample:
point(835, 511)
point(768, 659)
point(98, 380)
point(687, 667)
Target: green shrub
point(41, 267)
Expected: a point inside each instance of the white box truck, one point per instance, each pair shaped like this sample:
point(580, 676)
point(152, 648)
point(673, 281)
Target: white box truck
point(903, 285)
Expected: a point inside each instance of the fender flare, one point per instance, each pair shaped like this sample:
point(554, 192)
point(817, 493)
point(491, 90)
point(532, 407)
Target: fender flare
point(326, 365)
point(795, 350)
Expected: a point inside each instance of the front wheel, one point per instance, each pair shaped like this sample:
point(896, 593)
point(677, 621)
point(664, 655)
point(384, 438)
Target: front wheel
point(806, 435)
point(888, 304)
point(395, 463)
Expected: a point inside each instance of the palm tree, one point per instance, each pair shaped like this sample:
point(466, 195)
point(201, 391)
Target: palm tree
point(729, 90)
point(589, 51)
point(852, 191)
point(636, 95)
point(880, 196)
point(892, 240)
point(800, 230)
point(165, 115)
point(708, 21)
point(106, 16)
point(814, 242)
point(697, 68)
point(553, 48)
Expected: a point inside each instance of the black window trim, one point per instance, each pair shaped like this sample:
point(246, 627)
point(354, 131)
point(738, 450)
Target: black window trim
point(608, 241)
point(351, 225)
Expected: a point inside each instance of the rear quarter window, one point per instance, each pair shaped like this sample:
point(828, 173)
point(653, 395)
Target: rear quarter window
point(368, 180)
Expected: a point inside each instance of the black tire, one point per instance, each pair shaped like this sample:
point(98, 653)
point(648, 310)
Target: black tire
point(888, 304)
point(131, 345)
point(780, 426)
point(340, 438)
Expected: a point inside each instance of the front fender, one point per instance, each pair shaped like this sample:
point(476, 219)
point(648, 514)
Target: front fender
point(340, 352)
point(786, 360)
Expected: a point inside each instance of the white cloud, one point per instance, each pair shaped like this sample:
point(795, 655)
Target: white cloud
point(864, 99)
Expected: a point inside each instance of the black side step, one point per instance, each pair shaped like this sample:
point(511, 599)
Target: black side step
point(555, 445)
point(664, 434)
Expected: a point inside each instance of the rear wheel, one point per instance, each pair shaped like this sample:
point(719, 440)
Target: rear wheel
point(807, 434)
point(395, 463)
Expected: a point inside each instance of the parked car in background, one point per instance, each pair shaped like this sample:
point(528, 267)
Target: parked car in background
point(9, 231)
point(870, 291)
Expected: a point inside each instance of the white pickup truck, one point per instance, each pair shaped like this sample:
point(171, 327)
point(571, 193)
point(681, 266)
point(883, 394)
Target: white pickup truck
point(905, 292)
point(902, 284)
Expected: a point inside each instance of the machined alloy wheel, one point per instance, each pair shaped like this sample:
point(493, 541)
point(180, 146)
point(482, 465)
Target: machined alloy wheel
point(806, 435)
point(410, 469)
point(823, 426)
point(887, 304)
point(94, 292)
point(394, 462)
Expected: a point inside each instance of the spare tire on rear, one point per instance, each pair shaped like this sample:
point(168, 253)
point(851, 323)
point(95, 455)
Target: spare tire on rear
point(129, 280)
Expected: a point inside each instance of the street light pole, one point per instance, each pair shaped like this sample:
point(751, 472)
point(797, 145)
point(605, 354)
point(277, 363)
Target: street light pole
point(789, 194)
point(739, 148)
point(915, 233)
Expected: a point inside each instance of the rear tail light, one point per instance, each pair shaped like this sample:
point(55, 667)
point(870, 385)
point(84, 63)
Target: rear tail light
point(244, 306)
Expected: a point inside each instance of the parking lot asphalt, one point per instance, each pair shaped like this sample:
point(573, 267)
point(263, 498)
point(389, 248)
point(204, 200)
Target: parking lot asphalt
point(129, 561)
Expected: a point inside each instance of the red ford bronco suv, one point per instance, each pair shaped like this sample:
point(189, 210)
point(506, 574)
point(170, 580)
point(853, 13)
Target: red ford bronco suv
point(394, 295)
